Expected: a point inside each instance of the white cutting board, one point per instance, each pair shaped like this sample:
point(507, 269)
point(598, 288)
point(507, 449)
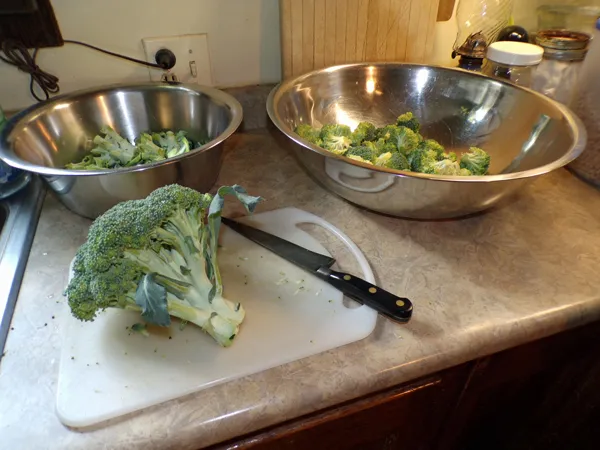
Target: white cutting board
point(106, 371)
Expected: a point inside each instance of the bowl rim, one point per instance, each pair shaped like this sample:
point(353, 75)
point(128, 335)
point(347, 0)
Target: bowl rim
point(575, 124)
point(28, 114)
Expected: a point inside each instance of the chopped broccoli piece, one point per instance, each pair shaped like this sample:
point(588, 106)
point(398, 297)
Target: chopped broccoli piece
point(408, 120)
point(112, 151)
point(432, 144)
point(476, 160)
point(465, 173)
point(395, 161)
point(158, 256)
point(336, 138)
point(422, 160)
point(404, 139)
point(311, 134)
point(380, 146)
point(365, 152)
point(365, 131)
point(450, 155)
point(358, 158)
point(173, 144)
point(445, 167)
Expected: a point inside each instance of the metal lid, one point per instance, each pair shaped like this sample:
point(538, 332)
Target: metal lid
point(515, 53)
point(563, 39)
point(563, 45)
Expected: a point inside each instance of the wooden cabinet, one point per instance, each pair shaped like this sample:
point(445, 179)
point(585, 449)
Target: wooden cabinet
point(407, 417)
point(541, 396)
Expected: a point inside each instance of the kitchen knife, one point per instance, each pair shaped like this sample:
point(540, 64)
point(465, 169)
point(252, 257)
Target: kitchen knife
point(396, 308)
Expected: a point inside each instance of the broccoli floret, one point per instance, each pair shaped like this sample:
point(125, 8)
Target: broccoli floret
point(307, 132)
point(336, 138)
point(450, 155)
point(364, 131)
point(158, 256)
point(422, 160)
point(408, 120)
point(395, 160)
point(444, 167)
point(432, 144)
point(364, 152)
point(358, 158)
point(465, 173)
point(404, 139)
point(380, 146)
point(476, 160)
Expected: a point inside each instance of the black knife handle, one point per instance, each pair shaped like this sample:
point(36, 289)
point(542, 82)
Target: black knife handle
point(396, 308)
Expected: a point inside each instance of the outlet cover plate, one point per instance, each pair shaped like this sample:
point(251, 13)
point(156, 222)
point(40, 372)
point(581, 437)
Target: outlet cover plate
point(190, 50)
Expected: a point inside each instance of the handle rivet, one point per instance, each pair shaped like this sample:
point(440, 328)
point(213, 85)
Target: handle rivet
point(400, 302)
point(347, 277)
point(372, 290)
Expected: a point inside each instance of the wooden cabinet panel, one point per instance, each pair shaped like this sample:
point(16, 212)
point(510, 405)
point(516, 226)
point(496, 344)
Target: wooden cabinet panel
point(540, 396)
point(406, 418)
point(322, 33)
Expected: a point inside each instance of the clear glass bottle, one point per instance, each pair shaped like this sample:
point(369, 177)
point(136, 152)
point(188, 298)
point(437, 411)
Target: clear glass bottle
point(481, 16)
point(513, 61)
point(586, 104)
point(558, 74)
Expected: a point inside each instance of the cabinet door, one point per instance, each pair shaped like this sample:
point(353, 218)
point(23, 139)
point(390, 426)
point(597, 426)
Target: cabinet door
point(540, 396)
point(405, 418)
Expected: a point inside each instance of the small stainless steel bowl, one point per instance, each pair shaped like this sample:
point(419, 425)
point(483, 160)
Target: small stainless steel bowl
point(45, 137)
point(525, 133)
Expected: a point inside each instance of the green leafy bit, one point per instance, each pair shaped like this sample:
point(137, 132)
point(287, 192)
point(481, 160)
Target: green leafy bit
point(112, 151)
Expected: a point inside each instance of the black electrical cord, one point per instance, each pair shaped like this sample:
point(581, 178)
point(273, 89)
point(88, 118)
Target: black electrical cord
point(17, 54)
point(118, 55)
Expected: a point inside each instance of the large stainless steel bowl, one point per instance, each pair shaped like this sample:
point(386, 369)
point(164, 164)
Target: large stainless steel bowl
point(526, 134)
point(45, 137)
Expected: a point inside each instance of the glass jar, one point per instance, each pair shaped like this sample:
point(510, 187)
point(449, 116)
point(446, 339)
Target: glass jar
point(558, 73)
point(513, 61)
point(586, 104)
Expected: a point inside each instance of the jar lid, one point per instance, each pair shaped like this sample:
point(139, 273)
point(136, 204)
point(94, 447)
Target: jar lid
point(515, 53)
point(562, 39)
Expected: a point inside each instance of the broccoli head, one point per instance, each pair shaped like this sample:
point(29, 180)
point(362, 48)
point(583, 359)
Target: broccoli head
point(395, 161)
point(363, 151)
point(309, 133)
point(364, 131)
point(422, 160)
point(408, 120)
point(158, 256)
point(476, 161)
point(336, 138)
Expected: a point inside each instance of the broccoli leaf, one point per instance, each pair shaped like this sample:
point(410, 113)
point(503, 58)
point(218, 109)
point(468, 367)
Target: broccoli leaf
point(152, 298)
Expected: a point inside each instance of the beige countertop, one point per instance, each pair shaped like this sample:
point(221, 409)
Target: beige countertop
point(479, 285)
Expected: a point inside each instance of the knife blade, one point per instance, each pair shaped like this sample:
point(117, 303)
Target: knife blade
point(396, 308)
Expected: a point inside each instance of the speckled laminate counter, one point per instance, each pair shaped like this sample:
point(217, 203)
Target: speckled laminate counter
point(479, 285)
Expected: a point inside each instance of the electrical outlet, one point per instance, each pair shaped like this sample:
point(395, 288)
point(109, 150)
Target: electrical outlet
point(191, 51)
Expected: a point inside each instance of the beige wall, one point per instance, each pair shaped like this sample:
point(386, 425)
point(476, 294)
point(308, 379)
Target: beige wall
point(243, 38)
